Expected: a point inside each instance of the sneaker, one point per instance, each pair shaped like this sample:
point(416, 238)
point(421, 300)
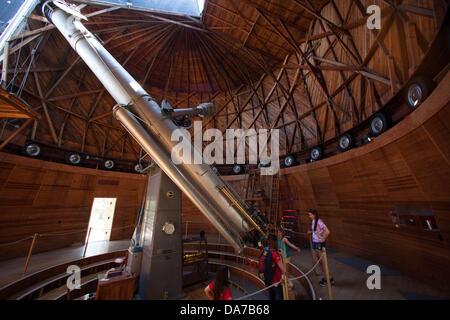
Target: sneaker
point(290, 284)
point(323, 282)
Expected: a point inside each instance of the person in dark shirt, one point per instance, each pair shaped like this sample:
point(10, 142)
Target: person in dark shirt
point(271, 270)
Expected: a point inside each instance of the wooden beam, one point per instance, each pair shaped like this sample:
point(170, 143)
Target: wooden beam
point(32, 32)
point(99, 12)
point(14, 134)
point(5, 65)
point(439, 9)
point(285, 103)
point(251, 29)
point(101, 116)
point(61, 78)
point(74, 95)
point(264, 40)
point(245, 103)
point(20, 45)
point(311, 10)
point(273, 14)
point(425, 12)
point(379, 38)
point(13, 101)
point(269, 95)
point(236, 91)
point(176, 22)
point(357, 69)
point(44, 106)
point(314, 108)
point(36, 69)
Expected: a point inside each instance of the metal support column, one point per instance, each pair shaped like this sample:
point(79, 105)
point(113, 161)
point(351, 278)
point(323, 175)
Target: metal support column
point(162, 256)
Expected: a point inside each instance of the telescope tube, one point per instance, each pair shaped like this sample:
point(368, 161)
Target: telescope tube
point(144, 119)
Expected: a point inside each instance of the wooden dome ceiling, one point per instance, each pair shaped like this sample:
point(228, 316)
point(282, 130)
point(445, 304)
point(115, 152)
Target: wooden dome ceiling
point(310, 68)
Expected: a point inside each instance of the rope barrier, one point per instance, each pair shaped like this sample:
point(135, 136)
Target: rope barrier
point(292, 231)
point(61, 234)
point(10, 243)
point(259, 291)
point(276, 284)
point(311, 270)
point(17, 63)
point(119, 228)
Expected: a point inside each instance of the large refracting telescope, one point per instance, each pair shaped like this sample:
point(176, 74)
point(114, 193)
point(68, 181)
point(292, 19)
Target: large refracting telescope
point(152, 127)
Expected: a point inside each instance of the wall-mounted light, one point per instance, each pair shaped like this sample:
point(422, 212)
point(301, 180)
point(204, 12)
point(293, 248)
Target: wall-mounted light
point(316, 153)
point(32, 149)
point(73, 158)
point(289, 161)
point(237, 169)
point(346, 142)
point(108, 164)
point(379, 123)
point(417, 91)
point(138, 168)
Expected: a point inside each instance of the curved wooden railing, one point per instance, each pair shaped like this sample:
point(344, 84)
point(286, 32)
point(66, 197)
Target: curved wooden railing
point(38, 283)
point(248, 262)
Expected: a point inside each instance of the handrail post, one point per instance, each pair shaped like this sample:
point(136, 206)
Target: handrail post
point(285, 287)
point(87, 242)
point(286, 265)
point(284, 278)
point(29, 253)
point(324, 252)
point(186, 236)
point(312, 252)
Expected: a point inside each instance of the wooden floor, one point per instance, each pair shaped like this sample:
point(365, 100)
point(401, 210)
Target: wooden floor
point(350, 280)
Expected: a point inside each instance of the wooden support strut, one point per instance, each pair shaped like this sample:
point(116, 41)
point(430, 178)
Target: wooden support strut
point(5, 65)
point(44, 106)
point(87, 242)
point(30, 251)
point(11, 137)
point(327, 273)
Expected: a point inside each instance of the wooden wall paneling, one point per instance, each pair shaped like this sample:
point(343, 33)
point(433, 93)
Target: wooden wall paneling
point(355, 191)
point(438, 130)
point(49, 198)
point(426, 163)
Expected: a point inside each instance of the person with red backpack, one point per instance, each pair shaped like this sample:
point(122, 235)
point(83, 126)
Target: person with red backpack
point(271, 270)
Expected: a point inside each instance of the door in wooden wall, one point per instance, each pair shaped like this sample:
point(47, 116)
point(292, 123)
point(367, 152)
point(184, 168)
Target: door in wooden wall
point(102, 215)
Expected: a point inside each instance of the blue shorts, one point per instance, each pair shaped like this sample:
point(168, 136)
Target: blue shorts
point(317, 246)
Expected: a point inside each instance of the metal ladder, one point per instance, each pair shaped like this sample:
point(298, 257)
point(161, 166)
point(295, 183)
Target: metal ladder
point(274, 199)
